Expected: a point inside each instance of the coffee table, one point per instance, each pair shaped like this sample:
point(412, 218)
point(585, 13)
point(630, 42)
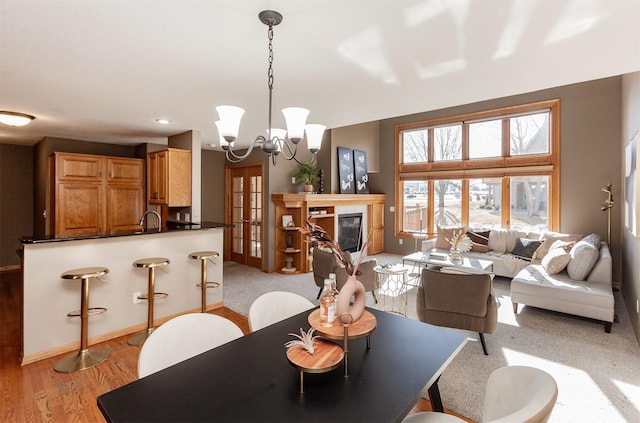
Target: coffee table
point(441, 261)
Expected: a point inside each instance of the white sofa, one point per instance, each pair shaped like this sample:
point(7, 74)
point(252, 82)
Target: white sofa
point(592, 297)
point(531, 284)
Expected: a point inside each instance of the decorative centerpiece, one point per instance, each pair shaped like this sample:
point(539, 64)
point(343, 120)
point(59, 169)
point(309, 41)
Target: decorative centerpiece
point(305, 340)
point(352, 288)
point(460, 243)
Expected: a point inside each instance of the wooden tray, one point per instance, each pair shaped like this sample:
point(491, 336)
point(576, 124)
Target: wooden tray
point(358, 329)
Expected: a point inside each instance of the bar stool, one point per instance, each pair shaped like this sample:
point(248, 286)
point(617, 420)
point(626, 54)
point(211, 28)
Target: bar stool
point(150, 296)
point(203, 256)
point(85, 357)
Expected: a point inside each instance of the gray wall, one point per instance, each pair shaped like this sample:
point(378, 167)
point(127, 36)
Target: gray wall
point(212, 186)
point(16, 200)
point(630, 243)
point(590, 123)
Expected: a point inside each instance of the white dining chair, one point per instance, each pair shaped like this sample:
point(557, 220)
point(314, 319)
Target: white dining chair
point(184, 337)
point(513, 394)
point(275, 306)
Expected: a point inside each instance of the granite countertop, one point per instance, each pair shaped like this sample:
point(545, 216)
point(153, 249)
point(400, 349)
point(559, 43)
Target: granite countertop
point(171, 227)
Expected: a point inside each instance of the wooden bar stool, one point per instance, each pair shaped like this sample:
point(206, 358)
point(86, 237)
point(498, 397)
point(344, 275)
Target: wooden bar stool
point(150, 296)
point(203, 256)
point(86, 357)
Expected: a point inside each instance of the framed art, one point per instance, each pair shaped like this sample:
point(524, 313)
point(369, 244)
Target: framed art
point(287, 220)
point(345, 171)
point(360, 168)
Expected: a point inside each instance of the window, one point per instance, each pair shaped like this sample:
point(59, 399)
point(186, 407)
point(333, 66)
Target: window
point(490, 169)
point(415, 208)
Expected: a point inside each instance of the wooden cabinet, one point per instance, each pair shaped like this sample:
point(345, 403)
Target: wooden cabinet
point(94, 195)
point(322, 209)
point(169, 177)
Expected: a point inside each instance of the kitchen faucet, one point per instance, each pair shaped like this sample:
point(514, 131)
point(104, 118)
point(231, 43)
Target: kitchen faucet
point(151, 212)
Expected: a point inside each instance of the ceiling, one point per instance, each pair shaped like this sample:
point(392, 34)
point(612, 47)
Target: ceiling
point(105, 70)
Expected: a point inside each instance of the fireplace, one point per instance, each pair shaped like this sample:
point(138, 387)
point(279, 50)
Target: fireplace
point(350, 231)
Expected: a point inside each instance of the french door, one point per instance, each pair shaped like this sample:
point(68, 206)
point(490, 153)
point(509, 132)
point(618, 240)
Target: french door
point(244, 186)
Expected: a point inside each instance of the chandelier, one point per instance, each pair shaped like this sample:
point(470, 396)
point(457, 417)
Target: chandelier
point(278, 141)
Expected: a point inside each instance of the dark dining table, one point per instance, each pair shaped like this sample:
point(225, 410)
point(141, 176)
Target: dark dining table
point(250, 379)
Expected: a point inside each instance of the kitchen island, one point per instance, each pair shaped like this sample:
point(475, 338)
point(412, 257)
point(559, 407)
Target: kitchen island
point(46, 329)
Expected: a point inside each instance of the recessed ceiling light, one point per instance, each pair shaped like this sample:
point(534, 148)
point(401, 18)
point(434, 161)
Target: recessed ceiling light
point(15, 118)
point(163, 121)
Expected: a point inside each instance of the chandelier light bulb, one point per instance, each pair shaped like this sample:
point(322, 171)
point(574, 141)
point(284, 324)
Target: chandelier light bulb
point(296, 118)
point(314, 136)
point(223, 142)
point(230, 117)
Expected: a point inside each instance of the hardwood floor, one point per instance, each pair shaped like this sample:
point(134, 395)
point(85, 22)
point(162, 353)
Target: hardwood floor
point(37, 393)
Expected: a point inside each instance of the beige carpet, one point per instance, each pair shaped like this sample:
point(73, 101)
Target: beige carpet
point(598, 374)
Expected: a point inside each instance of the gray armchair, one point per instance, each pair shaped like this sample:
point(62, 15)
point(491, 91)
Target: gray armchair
point(461, 301)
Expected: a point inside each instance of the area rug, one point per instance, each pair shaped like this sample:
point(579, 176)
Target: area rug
point(598, 374)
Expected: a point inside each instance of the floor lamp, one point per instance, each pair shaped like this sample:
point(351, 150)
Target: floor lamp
point(606, 206)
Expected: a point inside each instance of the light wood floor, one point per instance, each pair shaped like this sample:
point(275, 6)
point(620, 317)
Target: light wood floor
point(37, 393)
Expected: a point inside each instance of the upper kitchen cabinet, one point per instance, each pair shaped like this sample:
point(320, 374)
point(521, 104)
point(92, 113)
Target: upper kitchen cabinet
point(169, 177)
point(95, 195)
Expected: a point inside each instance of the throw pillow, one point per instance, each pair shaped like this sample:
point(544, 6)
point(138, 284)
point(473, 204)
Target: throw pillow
point(547, 241)
point(565, 245)
point(479, 237)
point(593, 239)
point(525, 248)
point(584, 256)
point(555, 261)
point(445, 233)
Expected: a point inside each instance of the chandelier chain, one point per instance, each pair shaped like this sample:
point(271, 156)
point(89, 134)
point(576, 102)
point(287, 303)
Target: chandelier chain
point(270, 71)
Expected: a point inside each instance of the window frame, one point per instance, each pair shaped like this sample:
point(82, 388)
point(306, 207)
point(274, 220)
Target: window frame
point(504, 167)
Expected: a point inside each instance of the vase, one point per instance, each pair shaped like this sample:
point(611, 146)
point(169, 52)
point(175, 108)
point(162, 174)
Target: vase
point(308, 188)
point(455, 256)
point(346, 312)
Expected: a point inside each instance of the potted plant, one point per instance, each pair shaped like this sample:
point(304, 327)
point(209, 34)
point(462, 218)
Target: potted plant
point(307, 173)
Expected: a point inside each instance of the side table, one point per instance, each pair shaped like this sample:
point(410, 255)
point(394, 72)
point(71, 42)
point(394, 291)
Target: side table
point(391, 288)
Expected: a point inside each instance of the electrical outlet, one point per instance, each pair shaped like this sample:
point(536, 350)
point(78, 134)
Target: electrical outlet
point(178, 216)
point(637, 306)
point(392, 209)
point(293, 180)
point(400, 241)
point(136, 300)
point(187, 217)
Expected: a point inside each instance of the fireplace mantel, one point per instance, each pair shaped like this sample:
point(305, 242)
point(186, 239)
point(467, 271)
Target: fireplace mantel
point(299, 206)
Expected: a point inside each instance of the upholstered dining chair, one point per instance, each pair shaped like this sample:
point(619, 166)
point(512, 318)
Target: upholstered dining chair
point(183, 337)
point(461, 301)
point(513, 394)
point(275, 306)
point(324, 263)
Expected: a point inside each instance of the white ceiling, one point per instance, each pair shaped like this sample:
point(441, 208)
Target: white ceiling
point(104, 70)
